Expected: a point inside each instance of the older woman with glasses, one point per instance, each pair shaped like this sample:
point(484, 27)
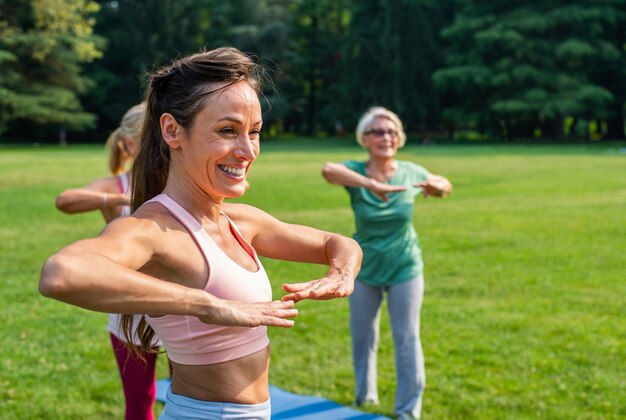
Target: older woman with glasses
point(382, 192)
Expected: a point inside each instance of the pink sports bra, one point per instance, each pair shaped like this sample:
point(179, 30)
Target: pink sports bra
point(123, 183)
point(189, 341)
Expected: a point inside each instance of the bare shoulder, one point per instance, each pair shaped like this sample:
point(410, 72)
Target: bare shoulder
point(249, 219)
point(108, 185)
point(242, 212)
point(139, 238)
point(148, 224)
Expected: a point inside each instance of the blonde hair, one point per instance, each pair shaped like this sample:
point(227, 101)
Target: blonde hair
point(130, 126)
point(367, 120)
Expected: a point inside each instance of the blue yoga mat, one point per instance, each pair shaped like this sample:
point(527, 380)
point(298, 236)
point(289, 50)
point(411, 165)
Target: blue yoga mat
point(286, 405)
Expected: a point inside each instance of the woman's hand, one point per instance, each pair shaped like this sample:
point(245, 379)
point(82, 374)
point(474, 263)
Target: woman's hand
point(329, 287)
point(436, 186)
point(381, 189)
point(241, 314)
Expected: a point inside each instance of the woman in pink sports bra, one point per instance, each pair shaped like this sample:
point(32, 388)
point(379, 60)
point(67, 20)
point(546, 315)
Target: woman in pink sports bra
point(188, 259)
point(111, 196)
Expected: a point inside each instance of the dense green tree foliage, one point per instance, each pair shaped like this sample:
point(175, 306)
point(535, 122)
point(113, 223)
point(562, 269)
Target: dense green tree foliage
point(390, 53)
point(141, 35)
point(504, 69)
point(43, 45)
point(520, 67)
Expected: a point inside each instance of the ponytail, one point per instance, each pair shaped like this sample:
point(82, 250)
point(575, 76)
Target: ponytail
point(152, 164)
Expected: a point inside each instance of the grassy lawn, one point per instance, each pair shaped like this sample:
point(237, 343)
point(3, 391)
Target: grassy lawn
point(523, 315)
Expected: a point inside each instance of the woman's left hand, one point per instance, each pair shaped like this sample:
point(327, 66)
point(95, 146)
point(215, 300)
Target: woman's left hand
point(329, 287)
point(436, 186)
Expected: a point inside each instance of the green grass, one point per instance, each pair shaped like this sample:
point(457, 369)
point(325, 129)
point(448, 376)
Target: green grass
point(523, 316)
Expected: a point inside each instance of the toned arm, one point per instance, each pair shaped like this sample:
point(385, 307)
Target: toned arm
point(101, 274)
point(101, 194)
point(273, 238)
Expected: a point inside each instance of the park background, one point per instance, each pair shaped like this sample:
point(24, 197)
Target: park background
point(452, 69)
point(520, 104)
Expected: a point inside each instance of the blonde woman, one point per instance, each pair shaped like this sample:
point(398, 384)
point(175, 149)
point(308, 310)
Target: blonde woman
point(111, 196)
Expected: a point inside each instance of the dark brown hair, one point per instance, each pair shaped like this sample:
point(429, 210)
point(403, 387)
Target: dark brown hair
point(181, 89)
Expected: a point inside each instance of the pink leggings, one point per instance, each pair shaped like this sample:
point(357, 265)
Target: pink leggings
point(138, 380)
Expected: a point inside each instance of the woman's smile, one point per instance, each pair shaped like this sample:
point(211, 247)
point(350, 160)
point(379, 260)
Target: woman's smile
point(233, 171)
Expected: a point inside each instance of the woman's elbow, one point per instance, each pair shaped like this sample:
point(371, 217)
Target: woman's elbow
point(62, 203)
point(53, 281)
point(327, 171)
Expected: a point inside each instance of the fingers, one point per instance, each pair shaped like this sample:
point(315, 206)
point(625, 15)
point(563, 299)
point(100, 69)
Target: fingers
point(387, 189)
point(299, 291)
point(344, 290)
point(281, 310)
point(279, 318)
point(427, 185)
point(430, 189)
point(297, 297)
point(294, 287)
point(277, 322)
point(383, 197)
point(381, 189)
point(322, 289)
point(233, 313)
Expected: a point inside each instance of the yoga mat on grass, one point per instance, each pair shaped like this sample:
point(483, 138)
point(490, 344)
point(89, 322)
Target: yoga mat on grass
point(287, 405)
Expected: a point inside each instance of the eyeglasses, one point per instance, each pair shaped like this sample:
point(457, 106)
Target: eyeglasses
point(382, 133)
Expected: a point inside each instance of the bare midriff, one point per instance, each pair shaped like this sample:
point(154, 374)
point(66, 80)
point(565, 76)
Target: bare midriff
point(241, 381)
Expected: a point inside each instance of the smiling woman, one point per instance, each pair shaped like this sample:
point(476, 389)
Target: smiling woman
point(189, 260)
point(382, 192)
point(223, 141)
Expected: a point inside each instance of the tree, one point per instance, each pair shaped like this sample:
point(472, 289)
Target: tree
point(391, 51)
point(313, 67)
point(141, 35)
point(518, 67)
point(43, 46)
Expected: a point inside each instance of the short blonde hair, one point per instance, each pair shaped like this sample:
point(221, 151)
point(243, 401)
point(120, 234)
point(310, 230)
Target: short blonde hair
point(367, 119)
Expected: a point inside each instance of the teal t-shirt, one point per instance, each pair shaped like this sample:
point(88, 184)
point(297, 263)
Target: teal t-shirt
point(391, 251)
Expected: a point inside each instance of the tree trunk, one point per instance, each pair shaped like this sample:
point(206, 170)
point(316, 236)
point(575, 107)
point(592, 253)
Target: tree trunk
point(615, 124)
point(557, 127)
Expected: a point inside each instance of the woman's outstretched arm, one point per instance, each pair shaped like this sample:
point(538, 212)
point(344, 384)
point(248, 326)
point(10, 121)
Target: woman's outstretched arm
point(101, 274)
point(338, 174)
point(275, 239)
point(101, 194)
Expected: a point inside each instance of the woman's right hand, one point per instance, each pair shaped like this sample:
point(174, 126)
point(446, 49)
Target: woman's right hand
point(241, 314)
point(381, 189)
